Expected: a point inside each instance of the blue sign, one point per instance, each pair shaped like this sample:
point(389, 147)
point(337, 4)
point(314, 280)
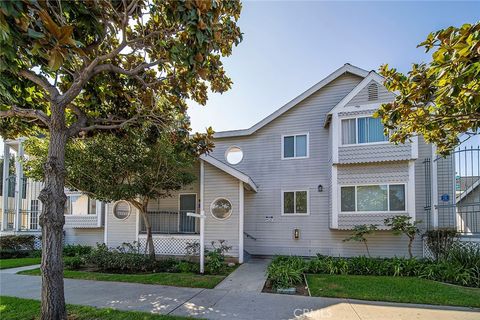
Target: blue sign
point(445, 197)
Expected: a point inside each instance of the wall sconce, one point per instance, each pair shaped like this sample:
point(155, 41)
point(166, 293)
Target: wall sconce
point(320, 188)
point(296, 234)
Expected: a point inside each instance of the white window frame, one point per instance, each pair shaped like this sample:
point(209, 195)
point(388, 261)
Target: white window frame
point(405, 185)
point(307, 134)
point(295, 202)
point(356, 133)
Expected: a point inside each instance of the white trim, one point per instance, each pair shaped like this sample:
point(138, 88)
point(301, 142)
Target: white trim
point(307, 134)
point(179, 196)
point(411, 189)
point(295, 202)
point(137, 223)
point(434, 200)
point(202, 220)
point(240, 221)
point(226, 153)
point(231, 211)
point(334, 195)
point(17, 224)
point(105, 230)
point(337, 73)
point(406, 195)
point(231, 171)
point(385, 142)
point(129, 211)
point(6, 165)
point(372, 75)
point(414, 147)
point(172, 236)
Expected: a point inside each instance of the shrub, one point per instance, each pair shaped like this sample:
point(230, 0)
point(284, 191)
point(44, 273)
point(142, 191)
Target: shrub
point(286, 272)
point(360, 232)
point(215, 258)
point(120, 261)
point(73, 263)
point(439, 241)
point(74, 250)
point(402, 224)
point(17, 243)
point(11, 254)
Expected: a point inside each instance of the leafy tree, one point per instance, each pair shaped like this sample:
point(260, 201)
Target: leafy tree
point(77, 68)
point(137, 164)
point(402, 224)
point(360, 232)
point(440, 99)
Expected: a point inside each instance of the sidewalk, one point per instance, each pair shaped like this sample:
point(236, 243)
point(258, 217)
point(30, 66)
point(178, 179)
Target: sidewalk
point(225, 303)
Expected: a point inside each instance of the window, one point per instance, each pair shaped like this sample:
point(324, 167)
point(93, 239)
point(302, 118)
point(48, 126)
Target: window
point(92, 206)
point(372, 198)
point(295, 146)
point(234, 155)
point(295, 202)
point(70, 204)
point(221, 208)
point(34, 209)
point(121, 210)
point(362, 130)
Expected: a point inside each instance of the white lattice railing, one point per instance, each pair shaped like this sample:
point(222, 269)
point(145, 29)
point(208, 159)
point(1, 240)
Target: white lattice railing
point(427, 253)
point(174, 245)
point(82, 221)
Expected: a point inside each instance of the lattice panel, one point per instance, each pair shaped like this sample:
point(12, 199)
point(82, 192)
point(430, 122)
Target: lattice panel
point(427, 253)
point(174, 246)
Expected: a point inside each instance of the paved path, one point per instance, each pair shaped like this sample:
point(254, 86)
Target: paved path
point(249, 277)
point(224, 303)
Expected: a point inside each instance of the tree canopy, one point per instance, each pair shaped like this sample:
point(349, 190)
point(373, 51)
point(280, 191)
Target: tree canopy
point(439, 99)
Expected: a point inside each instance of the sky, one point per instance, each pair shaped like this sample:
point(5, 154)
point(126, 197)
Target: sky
point(289, 46)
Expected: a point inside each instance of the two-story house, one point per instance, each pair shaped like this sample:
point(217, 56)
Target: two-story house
point(297, 182)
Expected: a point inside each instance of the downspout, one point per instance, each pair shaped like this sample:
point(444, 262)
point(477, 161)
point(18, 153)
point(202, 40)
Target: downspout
point(240, 221)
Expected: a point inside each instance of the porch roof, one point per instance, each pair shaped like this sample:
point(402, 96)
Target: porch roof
point(230, 170)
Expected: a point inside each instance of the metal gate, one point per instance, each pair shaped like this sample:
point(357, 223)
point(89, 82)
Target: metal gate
point(452, 186)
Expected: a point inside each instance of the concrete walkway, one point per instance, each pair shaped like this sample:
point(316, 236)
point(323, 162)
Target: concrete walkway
point(225, 303)
point(249, 277)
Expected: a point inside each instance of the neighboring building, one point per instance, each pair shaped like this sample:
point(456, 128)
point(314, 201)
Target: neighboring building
point(296, 183)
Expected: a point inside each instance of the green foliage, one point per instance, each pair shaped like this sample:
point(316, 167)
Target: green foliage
point(286, 271)
point(360, 232)
point(119, 261)
point(401, 224)
point(439, 241)
point(73, 262)
point(17, 242)
point(76, 250)
point(215, 257)
point(441, 99)
point(461, 268)
point(170, 49)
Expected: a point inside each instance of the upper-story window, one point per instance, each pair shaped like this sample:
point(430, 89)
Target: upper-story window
point(362, 130)
point(373, 198)
point(295, 146)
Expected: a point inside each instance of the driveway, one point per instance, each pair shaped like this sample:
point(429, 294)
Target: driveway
point(225, 303)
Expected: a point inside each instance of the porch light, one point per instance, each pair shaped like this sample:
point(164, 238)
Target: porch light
point(296, 234)
point(320, 188)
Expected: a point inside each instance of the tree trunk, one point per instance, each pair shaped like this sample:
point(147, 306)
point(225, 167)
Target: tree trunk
point(150, 247)
point(410, 248)
point(366, 247)
point(52, 220)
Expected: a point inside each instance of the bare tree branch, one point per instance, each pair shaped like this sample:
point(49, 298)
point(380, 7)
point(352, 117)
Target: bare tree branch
point(28, 113)
point(40, 81)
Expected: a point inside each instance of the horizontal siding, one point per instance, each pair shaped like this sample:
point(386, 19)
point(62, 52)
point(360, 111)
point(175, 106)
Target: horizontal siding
point(89, 237)
point(374, 153)
point(362, 97)
point(120, 231)
point(220, 184)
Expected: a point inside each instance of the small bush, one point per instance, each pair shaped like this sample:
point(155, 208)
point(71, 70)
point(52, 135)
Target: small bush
point(120, 261)
point(12, 254)
point(286, 272)
point(439, 241)
point(76, 250)
point(17, 242)
point(215, 258)
point(73, 263)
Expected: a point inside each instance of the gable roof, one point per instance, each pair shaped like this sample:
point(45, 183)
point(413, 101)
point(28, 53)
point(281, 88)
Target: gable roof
point(372, 76)
point(230, 170)
point(334, 75)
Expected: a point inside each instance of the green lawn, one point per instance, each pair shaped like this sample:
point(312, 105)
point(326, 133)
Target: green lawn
point(395, 289)
point(168, 279)
point(20, 309)
point(18, 262)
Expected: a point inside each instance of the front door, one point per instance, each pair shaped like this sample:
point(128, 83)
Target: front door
point(188, 203)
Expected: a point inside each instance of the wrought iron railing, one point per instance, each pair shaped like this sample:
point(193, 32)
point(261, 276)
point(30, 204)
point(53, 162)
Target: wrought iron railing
point(170, 222)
